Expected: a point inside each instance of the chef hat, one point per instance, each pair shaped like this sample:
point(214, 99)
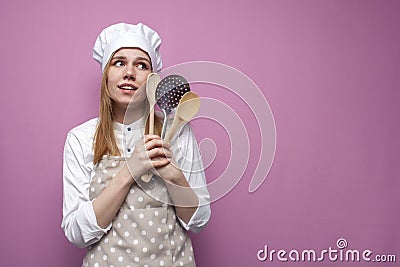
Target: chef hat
point(121, 35)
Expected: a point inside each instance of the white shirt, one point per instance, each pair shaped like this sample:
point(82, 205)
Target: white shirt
point(79, 220)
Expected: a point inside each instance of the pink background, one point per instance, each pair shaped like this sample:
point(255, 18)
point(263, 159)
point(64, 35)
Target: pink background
point(329, 69)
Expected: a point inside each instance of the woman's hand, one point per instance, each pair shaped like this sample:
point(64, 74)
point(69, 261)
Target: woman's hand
point(170, 172)
point(151, 152)
point(183, 197)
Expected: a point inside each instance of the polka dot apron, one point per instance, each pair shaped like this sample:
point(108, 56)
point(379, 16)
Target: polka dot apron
point(145, 231)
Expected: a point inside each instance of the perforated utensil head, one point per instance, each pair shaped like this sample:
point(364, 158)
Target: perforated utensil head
point(170, 91)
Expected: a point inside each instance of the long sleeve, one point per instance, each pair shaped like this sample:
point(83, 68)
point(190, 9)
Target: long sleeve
point(79, 220)
point(189, 160)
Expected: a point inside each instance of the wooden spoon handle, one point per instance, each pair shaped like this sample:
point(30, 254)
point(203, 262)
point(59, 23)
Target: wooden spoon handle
point(152, 80)
point(151, 120)
point(147, 176)
point(176, 124)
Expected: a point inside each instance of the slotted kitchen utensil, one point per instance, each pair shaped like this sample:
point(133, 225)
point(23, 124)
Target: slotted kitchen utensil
point(168, 94)
point(151, 84)
point(188, 107)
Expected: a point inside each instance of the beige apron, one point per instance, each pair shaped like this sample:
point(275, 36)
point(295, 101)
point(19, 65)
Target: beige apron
point(145, 231)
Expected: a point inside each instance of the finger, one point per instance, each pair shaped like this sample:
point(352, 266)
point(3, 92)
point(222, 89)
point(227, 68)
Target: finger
point(159, 152)
point(156, 143)
point(150, 137)
point(160, 162)
point(166, 146)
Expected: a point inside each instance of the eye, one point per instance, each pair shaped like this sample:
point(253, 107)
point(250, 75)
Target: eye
point(142, 66)
point(118, 63)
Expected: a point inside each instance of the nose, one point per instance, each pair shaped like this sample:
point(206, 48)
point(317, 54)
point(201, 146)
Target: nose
point(129, 73)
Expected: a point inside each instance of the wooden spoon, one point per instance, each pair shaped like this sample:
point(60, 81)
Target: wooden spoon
point(188, 107)
point(152, 81)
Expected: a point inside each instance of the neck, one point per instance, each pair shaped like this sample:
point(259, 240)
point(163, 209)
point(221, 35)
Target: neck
point(127, 115)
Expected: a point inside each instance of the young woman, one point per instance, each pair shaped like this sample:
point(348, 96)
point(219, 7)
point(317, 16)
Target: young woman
point(107, 208)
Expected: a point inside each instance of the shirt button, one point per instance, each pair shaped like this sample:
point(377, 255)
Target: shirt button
point(129, 150)
point(129, 129)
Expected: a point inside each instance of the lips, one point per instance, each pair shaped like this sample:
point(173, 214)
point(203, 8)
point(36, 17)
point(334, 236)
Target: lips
point(127, 86)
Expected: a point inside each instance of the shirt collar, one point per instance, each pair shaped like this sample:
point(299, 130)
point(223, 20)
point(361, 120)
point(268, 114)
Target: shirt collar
point(119, 127)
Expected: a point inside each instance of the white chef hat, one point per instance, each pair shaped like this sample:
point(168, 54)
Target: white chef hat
point(121, 35)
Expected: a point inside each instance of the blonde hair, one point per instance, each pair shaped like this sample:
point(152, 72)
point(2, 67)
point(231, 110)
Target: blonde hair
point(105, 142)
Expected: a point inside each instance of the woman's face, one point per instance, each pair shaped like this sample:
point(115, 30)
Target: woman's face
point(128, 70)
